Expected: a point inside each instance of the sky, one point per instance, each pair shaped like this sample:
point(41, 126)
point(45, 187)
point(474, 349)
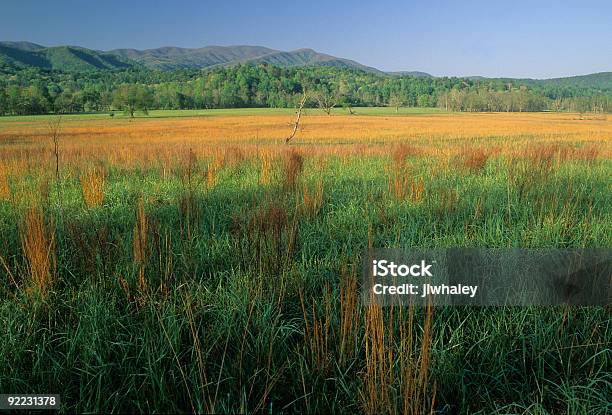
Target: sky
point(525, 39)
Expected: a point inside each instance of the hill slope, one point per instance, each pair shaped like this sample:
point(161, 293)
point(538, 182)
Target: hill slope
point(416, 74)
point(599, 80)
point(309, 57)
point(174, 58)
point(602, 80)
point(211, 56)
point(65, 58)
point(71, 58)
point(77, 59)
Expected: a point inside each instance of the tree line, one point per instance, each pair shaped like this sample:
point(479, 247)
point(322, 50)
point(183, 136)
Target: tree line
point(37, 91)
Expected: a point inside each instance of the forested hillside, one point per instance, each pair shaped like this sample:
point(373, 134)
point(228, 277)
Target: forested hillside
point(64, 58)
point(29, 90)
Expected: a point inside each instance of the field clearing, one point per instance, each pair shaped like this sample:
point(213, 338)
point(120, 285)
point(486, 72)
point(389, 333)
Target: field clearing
point(202, 263)
point(124, 140)
point(238, 112)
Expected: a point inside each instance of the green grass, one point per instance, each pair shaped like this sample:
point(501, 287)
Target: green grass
point(229, 333)
point(226, 112)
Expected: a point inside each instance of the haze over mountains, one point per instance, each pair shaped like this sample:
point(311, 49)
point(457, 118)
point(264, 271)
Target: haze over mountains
point(76, 59)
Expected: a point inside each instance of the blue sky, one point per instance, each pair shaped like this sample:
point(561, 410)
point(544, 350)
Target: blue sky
point(538, 39)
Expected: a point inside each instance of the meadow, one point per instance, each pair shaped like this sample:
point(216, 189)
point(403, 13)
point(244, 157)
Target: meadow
point(190, 261)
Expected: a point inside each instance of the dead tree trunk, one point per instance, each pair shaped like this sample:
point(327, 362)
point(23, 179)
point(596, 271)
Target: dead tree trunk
point(296, 124)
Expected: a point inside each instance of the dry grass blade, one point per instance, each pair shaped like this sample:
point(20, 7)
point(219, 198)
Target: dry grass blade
point(92, 187)
point(38, 245)
point(140, 243)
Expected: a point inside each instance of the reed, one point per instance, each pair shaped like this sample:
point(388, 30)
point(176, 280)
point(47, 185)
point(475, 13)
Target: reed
point(239, 296)
point(317, 332)
point(92, 187)
point(396, 374)
point(397, 185)
point(311, 201)
point(350, 314)
point(402, 187)
point(38, 246)
point(293, 166)
point(5, 188)
point(212, 172)
point(264, 172)
point(417, 189)
point(139, 250)
point(475, 159)
point(401, 152)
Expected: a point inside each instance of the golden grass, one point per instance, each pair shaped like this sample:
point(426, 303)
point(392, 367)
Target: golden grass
point(475, 159)
point(38, 245)
point(230, 140)
point(92, 186)
point(264, 174)
point(311, 200)
point(5, 189)
point(293, 166)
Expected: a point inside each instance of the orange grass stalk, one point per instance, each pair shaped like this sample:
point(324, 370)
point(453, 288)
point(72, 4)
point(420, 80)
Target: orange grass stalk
point(294, 164)
point(213, 172)
point(311, 201)
point(92, 187)
point(349, 313)
point(140, 242)
point(397, 184)
point(417, 189)
point(377, 376)
point(5, 189)
point(38, 244)
point(264, 175)
point(475, 159)
point(317, 335)
point(401, 187)
point(396, 375)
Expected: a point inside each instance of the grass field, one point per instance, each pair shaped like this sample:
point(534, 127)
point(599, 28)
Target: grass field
point(191, 261)
point(231, 111)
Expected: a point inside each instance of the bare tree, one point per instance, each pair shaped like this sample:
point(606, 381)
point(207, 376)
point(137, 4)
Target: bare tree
point(296, 123)
point(54, 132)
point(327, 101)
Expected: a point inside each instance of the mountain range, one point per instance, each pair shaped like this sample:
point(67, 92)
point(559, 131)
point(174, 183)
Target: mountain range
point(74, 58)
point(78, 59)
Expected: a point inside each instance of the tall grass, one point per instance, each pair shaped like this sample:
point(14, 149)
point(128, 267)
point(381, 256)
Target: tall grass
point(38, 246)
point(139, 250)
point(223, 275)
point(5, 189)
point(92, 186)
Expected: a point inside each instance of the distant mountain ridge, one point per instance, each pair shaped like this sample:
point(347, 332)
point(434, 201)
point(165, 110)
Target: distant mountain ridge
point(65, 58)
point(416, 74)
point(214, 56)
point(170, 57)
point(601, 80)
point(76, 59)
point(73, 58)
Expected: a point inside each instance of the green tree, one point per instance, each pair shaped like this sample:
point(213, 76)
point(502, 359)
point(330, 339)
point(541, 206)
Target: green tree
point(3, 101)
point(133, 98)
point(396, 101)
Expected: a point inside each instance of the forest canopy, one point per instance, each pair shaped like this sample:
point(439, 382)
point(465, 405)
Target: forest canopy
point(39, 91)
